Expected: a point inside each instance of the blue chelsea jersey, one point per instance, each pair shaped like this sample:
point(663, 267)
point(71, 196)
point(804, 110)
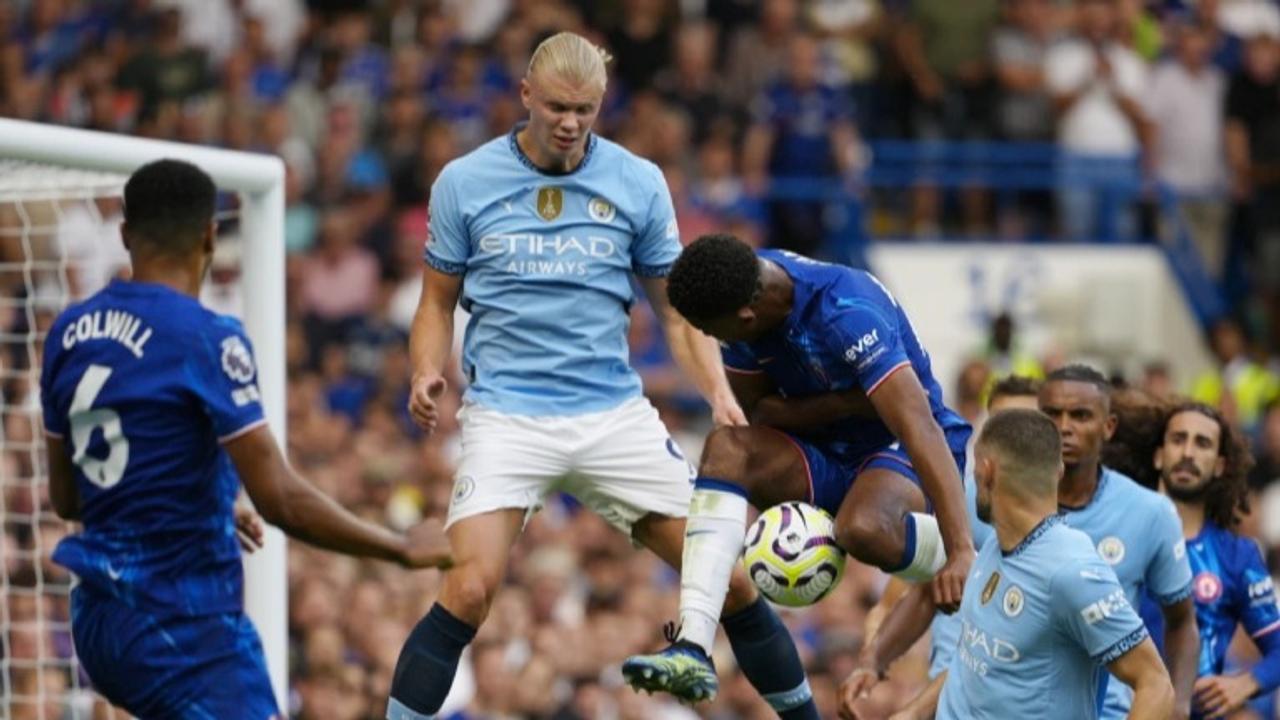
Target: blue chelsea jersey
point(1231, 586)
point(143, 384)
point(546, 263)
point(845, 331)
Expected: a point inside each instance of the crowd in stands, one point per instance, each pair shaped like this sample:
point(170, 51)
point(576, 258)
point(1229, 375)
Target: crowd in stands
point(739, 102)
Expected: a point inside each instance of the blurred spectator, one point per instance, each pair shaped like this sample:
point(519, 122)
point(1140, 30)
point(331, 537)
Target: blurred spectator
point(1157, 380)
point(641, 43)
point(1253, 155)
point(1240, 387)
point(691, 83)
point(1004, 355)
point(1097, 84)
point(339, 281)
point(166, 68)
point(944, 48)
point(1267, 450)
point(757, 53)
point(1185, 102)
point(1024, 112)
point(801, 129)
point(849, 30)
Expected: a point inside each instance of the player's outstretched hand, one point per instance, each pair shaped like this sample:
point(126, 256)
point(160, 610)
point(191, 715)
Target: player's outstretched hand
point(948, 584)
point(854, 688)
point(727, 412)
point(423, 393)
point(249, 528)
point(1218, 696)
point(426, 546)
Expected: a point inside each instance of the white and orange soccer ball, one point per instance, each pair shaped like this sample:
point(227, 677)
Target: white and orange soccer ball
point(791, 554)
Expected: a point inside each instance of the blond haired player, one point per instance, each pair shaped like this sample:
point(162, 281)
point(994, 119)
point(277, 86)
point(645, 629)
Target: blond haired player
point(538, 234)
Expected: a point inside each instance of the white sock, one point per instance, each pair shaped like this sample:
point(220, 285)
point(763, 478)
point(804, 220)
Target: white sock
point(712, 544)
point(930, 554)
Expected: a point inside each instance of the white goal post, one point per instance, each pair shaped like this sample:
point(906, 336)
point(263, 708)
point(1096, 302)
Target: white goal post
point(259, 180)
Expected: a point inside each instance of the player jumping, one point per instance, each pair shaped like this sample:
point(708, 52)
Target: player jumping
point(538, 233)
point(846, 415)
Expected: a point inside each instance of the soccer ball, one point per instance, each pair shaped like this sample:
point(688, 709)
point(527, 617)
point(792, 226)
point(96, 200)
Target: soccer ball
point(791, 554)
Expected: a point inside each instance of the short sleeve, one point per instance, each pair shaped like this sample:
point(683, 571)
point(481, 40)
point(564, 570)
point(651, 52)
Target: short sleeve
point(448, 244)
point(657, 244)
point(55, 421)
point(225, 378)
point(1168, 575)
point(1092, 610)
point(1257, 603)
point(1063, 72)
point(739, 358)
point(868, 342)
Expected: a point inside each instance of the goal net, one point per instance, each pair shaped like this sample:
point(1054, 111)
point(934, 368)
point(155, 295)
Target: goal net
point(59, 243)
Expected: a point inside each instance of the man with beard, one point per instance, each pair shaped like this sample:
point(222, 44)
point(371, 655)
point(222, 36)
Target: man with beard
point(1203, 466)
point(1043, 613)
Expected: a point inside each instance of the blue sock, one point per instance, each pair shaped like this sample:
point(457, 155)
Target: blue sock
point(427, 664)
point(768, 657)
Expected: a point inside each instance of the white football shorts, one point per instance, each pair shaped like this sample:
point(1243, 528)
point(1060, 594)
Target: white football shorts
point(621, 463)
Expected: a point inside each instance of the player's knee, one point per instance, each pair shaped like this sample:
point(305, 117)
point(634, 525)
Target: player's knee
point(726, 454)
point(870, 537)
point(468, 593)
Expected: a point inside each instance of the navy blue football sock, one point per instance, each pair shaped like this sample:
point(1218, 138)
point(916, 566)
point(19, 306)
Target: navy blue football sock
point(768, 657)
point(427, 664)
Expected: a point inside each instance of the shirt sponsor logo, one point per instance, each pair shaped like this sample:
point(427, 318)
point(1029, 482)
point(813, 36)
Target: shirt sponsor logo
point(550, 202)
point(1111, 549)
point(1207, 587)
point(1107, 607)
point(864, 343)
point(535, 254)
point(992, 648)
point(1261, 590)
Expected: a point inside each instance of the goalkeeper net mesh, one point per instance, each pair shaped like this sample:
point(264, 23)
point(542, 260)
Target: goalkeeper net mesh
point(59, 243)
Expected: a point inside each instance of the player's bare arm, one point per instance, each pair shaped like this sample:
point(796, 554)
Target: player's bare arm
point(906, 622)
point(1142, 670)
point(301, 510)
point(903, 406)
point(697, 355)
point(763, 405)
point(924, 705)
point(1182, 651)
point(430, 342)
point(62, 480)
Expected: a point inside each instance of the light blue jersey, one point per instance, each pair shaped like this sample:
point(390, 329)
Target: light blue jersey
point(944, 632)
point(547, 261)
point(1038, 624)
point(1137, 532)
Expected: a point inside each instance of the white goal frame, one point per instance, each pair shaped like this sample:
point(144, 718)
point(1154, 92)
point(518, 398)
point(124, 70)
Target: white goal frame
point(259, 179)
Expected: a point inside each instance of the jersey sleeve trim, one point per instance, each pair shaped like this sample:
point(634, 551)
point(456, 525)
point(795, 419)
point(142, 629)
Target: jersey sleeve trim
point(886, 376)
point(242, 431)
point(743, 371)
point(54, 435)
point(1174, 598)
point(1122, 646)
point(444, 266)
point(1267, 630)
point(652, 271)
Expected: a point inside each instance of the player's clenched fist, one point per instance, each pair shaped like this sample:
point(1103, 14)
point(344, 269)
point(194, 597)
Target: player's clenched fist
point(426, 546)
point(948, 584)
point(425, 390)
